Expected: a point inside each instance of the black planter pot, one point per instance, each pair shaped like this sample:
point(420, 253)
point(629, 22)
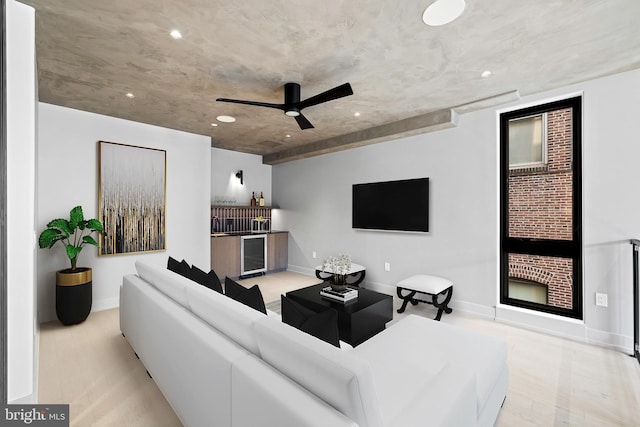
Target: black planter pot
point(73, 295)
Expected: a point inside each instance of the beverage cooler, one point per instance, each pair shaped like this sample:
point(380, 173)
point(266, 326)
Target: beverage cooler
point(253, 255)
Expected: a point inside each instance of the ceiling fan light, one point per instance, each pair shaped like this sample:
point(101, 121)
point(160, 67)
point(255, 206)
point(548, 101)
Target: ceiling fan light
point(442, 12)
point(292, 113)
point(226, 119)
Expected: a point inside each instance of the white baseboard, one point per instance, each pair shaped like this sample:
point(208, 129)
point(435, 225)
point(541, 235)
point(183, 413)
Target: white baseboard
point(621, 343)
point(105, 304)
point(46, 316)
point(302, 270)
point(565, 328)
point(542, 322)
point(29, 399)
point(381, 287)
point(473, 308)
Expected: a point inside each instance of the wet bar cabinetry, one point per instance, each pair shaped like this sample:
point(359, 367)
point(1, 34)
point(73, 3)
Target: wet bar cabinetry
point(225, 256)
point(229, 224)
point(225, 253)
point(277, 251)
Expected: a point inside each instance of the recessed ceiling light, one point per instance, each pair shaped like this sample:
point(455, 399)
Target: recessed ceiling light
point(214, 124)
point(357, 114)
point(226, 119)
point(175, 34)
point(486, 73)
point(288, 136)
point(130, 95)
point(442, 12)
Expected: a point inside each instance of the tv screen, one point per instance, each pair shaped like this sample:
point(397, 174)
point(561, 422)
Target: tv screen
point(392, 205)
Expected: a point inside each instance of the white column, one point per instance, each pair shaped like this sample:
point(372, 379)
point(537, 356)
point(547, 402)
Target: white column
point(21, 170)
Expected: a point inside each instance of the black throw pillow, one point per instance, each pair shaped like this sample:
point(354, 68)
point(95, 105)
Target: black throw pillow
point(322, 325)
point(182, 268)
point(210, 280)
point(251, 297)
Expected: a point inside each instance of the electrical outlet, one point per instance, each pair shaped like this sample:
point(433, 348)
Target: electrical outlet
point(601, 300)
point(387, 266)
point(313, 254)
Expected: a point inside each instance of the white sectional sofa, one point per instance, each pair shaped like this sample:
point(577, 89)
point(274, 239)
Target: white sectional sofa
point(221, 363)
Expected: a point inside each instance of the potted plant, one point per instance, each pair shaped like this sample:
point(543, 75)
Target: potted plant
point(339, 268)
point(73, 285)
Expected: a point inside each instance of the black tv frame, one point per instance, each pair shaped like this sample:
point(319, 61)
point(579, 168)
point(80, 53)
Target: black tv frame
point(399, 205)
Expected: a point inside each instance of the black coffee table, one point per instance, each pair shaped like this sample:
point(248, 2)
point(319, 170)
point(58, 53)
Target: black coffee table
point(358, 320)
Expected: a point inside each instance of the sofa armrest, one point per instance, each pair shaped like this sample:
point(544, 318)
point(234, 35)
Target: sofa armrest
point(448, 401)
point(262, 396)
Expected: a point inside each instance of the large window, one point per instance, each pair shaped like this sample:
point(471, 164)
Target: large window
point(541, 239)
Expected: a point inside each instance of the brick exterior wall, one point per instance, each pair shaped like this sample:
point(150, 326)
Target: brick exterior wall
point(555, 273)
point(540, 206)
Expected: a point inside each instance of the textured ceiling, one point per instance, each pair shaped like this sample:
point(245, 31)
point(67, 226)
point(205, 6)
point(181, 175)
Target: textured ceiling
point(405, 75)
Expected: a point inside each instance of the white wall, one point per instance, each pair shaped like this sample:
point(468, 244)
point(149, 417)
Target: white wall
point(226, 188)
point(21, 117)
point(611, 203)
point(68, 161)
point(315, 199)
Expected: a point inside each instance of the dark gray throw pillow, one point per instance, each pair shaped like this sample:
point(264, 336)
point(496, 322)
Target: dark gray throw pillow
point(210, 279)
point(251, 297)
point(323, 325)
point(182, 268)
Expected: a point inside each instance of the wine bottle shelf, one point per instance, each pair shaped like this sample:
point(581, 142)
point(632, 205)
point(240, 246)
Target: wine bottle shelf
point(240, 219)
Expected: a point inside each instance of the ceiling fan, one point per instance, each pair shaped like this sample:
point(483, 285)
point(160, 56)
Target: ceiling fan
point(292, 105)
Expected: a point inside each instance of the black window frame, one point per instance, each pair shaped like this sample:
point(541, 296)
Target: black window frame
point(543, 247)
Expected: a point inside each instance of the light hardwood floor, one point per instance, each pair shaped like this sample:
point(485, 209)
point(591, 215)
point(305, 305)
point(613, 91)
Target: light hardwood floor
point(552, 382)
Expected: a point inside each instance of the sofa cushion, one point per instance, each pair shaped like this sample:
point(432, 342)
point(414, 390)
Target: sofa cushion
point(251, 297)
point(210, 279)
point(444, 344)
point(417, 362)
point(230, 317)
point(171, 284)
point(182, 268)
point(322, 325)
point(335, 376)
point(262, 396)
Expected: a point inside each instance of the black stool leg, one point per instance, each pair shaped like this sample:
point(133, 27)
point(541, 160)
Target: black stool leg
point(443, 305)
point(405, 299)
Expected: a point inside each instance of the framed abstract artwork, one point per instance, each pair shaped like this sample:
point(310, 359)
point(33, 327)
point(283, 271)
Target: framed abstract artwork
point(132, 198)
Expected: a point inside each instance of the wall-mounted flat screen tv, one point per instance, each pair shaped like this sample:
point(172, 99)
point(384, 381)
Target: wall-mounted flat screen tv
point(392, 205)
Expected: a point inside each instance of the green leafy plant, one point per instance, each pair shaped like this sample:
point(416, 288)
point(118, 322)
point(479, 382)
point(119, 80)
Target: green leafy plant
point(73, 234)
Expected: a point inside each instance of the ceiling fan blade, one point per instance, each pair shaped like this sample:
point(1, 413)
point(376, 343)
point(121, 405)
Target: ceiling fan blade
point(330, 95)
point(303, 122)
point(257, 104)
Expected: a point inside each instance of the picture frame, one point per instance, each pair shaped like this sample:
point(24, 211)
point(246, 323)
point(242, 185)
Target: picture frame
point(132, 199)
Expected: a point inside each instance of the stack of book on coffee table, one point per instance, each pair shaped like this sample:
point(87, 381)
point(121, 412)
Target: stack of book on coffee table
point(344, 296)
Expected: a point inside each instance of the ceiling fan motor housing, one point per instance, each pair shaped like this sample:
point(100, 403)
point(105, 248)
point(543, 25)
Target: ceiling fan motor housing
point(291, 99)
